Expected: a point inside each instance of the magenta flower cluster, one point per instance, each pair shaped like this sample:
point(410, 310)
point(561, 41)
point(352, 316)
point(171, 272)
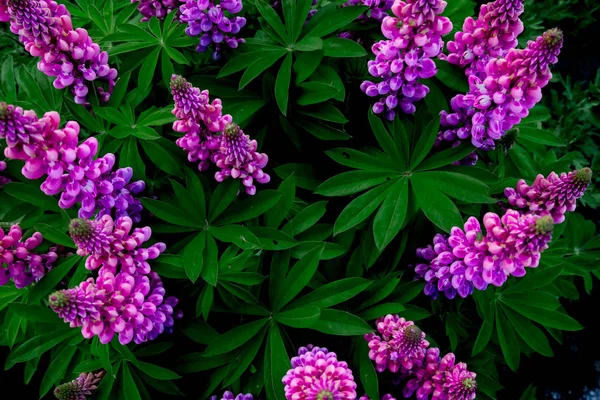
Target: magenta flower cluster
point(211, 137)
point(71, 169)
point(414, 38)
point(68, 54)
point(230, 396)
point(469, 259)
point(79, 388)
point(497, 102)
point(554, 195)
point(214, 23)
point(492, 35)
point(400, 347)
point(156, 8)
point(127, 298)
point(3, 179)
point(19, 261)
point(316, 373)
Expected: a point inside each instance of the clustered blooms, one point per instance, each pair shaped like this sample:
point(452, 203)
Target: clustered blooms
point(400, 346)
point(128, 301)
point(71, 169)
point(211, 137)
point(70, 55)
point(230, 396)
point(492, 35)
point(210, 20)
point(18, 259)
point(3, 179)
point(469, 260)
point(317, 374)
point(79, 388)
point(554, 195)
point(155, 8)
point(510, 88)
point(414, 39)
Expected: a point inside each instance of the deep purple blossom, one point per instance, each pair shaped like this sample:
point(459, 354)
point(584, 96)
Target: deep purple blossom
point(470, 259)
point(131, 306)
point(19, 261)
point(414, 39)
point(113, 244)
point(554, 195)
point(511, 87)
point(238, 158)
point(156, 8)
point(230, 396)
point(66, 53)
point(399, 346)
point(317, 374)
point(214, 23)
point(492, 35)
point(79, 388)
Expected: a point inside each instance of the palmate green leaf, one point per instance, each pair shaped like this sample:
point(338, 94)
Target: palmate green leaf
point(222, 197)
point(531, 334)
point(275, 216)
point(282, 84)
point(7, 80)
point(539, 136)
point(40, 344)
point(106, 384)
point(162, 158)
point(485, 333)
point(276, 364)
point(156, 371)
point(32, 195)
point(259, 66)
point(446, 157)
point(251, 207)
point(306, 63)
point(309, 43)
point(351, 182)
point(425, 143)
point(368, 375)
point(535, 298)
point(339, 47)
point(361, 208)
point(314, 92)
point(240, 235)
point(33, 313)
point(341, 323)
point(435, 99)
point(300, 10)
point(55, 235)
point(273, 239)
point(548, 318)
point(381, 289)
point(194, 186)
point(298, 277)
point(129, 389)
point(458, 186)
point(199, 331)
point(521, 158)
point(508, 341)
point(436, 206)
point(168, 213)
point(245, 357)
point(210, 270)
point(304, 175)
point(187, 201)
point(359, 160)
point(305, 218)
point(452, 76)
point(325, 112)
point(234, 338)
point(57, 368)
point(382, 309)
point(391, 214)
point(302, 317)
point(269, 14)
point(331, 19)
point(333, 293)
point(244, 60)
point(385, 141)
point(415, 313)
point(193, 257)
point(322, 131)
point(148, 68)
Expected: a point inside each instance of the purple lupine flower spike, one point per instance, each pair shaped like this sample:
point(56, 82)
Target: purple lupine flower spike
point(511, 87)
point(554, 195)
point(470, 259)
point(3, 179)
point(317, 374)
point(155, 8)
point(239, 159)
point(399, 346)
point(4, 15)
point(210, 21)
point(111, 244)
point(19, 261)
point(492, 35)
point(79, 388)
point(414, 39)
point(66, 53)
point(230, 396)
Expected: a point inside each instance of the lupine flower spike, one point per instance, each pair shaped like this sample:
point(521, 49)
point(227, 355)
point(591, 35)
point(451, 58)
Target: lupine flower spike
point(511, 87)
point(492, 35)
point(110, 244)
point(230, 396)
point(66, 53)
point(317, 374)
point(71, 170)
point(554, 195)
point(80, 388)
point(208, 20)
point(19, 261)
point(470, 259)
point(155, 8)
point(131, 306)
point(414, 38)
